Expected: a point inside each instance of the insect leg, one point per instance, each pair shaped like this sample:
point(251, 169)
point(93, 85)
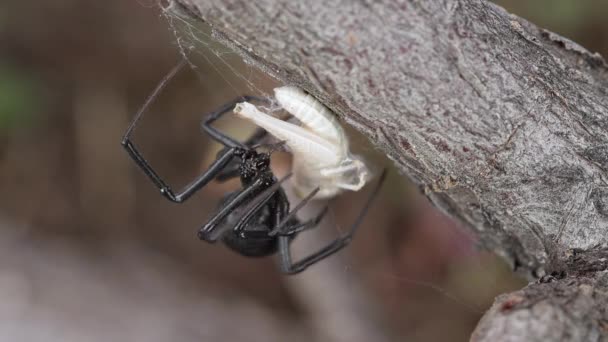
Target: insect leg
point(351, 187)
point(284, 249)
point(338, 169)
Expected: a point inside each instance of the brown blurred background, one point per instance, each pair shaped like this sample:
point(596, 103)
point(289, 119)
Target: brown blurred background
point(91, 252)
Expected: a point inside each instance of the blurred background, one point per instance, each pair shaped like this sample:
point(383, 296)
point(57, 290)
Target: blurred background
point(89, 250)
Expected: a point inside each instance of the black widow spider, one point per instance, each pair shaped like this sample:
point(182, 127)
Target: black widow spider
point(255, 220)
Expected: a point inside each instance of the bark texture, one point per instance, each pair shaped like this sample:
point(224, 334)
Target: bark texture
point(503, 125)
point(573, 308)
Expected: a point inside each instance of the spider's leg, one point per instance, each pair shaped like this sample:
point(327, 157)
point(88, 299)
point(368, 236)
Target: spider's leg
point(222, 160)
point(287, 266)
point(302, 226)
point(281, 228)
point(246, 212)
point(232, 169)
point(286, 217)
point(189, 189)
point(256, 137)
point(163, 83)
point(213, 116)
point(209, 231)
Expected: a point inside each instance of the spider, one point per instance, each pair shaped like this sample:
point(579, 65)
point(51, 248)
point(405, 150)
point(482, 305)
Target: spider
point(255, 220)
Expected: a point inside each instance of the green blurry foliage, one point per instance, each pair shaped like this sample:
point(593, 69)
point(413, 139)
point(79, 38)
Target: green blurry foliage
point(18, 97)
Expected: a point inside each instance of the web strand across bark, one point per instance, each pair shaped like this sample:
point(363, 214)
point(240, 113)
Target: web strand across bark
point(503, 125)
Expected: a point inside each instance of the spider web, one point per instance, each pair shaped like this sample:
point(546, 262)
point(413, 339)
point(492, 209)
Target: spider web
point(196, 43)
point(335, 226)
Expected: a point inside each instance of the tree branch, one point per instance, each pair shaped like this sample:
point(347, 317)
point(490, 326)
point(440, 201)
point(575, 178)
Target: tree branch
point(568, 309)
point(503, 125)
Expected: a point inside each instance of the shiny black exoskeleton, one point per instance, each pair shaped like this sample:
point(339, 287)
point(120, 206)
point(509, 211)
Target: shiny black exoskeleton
point(255, 220)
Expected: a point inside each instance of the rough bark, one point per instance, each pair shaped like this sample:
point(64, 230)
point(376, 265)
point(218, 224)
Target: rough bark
point(503, 125)
point(573, 308)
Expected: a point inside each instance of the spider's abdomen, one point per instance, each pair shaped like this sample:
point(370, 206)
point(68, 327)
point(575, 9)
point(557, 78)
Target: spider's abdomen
point(250, 246)
point(253, 240)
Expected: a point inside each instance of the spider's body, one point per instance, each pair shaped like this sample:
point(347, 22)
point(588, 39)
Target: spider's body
point(255, 220)
point(253, 239)
point(321, 154)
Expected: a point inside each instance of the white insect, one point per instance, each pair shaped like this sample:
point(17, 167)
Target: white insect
point(321, 155)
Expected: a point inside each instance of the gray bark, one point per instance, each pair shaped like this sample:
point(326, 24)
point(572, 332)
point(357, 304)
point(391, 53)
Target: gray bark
point(503, 125)
point(572, 308)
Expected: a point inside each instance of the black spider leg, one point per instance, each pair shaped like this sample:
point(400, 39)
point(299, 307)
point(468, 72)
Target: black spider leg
point(228, 107)
point(222, 160)
point(287, 266)
point(256, 137)
point(282, 229)
point(210, 232)
point(245, 213)
point(232, 170)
